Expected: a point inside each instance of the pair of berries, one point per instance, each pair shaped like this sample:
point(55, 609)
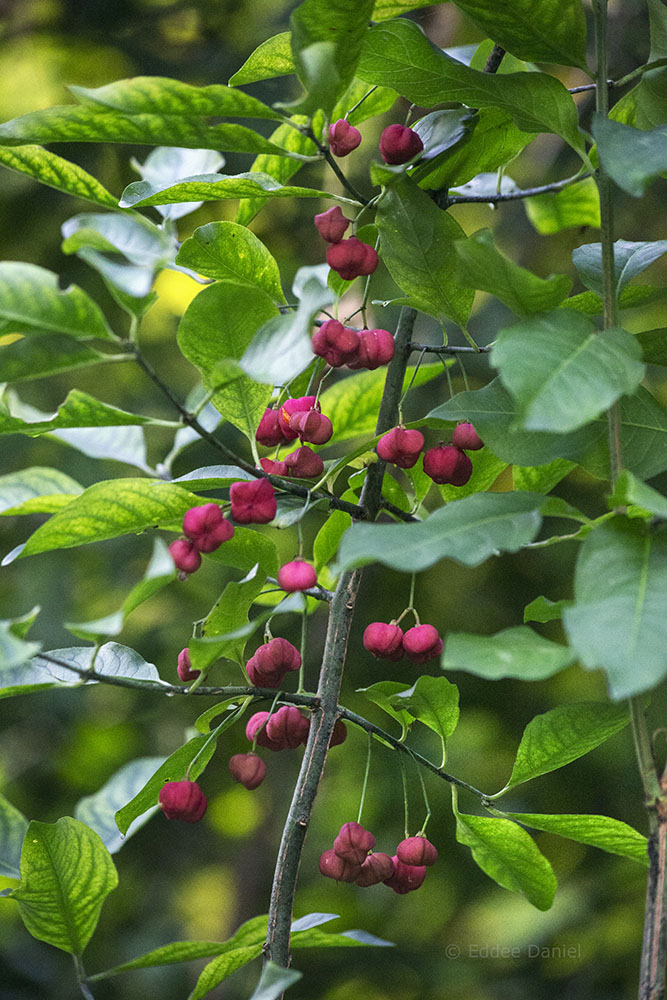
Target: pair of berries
point(205, 529)
point(350, 860)
point(303, 463)
point(350, 258)
point(341, 345)
point(297, 418)
point(269, 664)
point(448, 463)
point(398, 143)
point(387, 641)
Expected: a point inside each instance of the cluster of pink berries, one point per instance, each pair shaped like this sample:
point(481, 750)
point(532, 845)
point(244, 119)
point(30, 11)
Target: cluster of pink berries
point(350, 258)
point(388, 641)
point(350, 860)
point(297, 418)
point(446, 463)
point(342, 345)
point(285, 729)
point(205, 529)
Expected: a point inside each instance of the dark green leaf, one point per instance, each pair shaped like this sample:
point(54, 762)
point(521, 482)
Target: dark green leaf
point(599, 831)
point(541, 478)
point(514, 652)
point(227, 615)
point(41, 354)
point(631, 296)
point(575, 206)
point(30, 298)
point(562, 735)
point(434, 701)
point(229, 252)
point(66, 874)
point(630, 490)
point(617, 622)
point(98, 810)
point(468, 531)
point(211, 346)
point(52, 170)
point(630, 259)
point(13, 826)
point(417, 245)
point(383, 694)
point(632, 157)
point(563, 372)
point(654, 346)
point(482, 266)
point(544, 610)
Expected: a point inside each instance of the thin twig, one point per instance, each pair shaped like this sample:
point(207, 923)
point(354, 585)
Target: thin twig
point(326, 153)
point(493, 199)
point(453, 349)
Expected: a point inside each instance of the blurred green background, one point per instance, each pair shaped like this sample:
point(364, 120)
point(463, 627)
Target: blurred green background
point(177, 881)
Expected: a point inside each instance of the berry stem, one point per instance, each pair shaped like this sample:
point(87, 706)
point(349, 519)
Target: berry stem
point(366, 772)
point(426, 803)
point(304, 636)
point(405, 798)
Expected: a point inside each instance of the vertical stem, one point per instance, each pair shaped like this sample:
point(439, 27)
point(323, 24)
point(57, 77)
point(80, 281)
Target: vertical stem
point(276, 946)
point(81, 978)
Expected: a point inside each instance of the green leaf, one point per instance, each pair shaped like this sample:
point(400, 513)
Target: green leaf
point(617, 622)
point(509, 856)
point(66, 874)
point(56, 172)
point(112, 659)
point(40, 354)
point(575, 206)
point(632, 157)
point(230, 612)
point(328, 537)
point(14, 651)
point(206, 343)
point(272, 58)
point(159, 572)
point(562, 735)
point(78, 410)
point(514, 652)
point(383, 694)
point(417, 245)
point(326, 44)
point(13, 826)
point(214, 477)
point(482, 266)
point(172, 769)
point(541, 478)
point(229, 252)
point(608, 834)
point(31, 298)
point(374, 101)
point(352, 404)
point(109, 509)
point(631, 296)
point(281, 168)
point(630, 259)
point(273, 982)
point(397, 54)
point(654, 346)
point(161, 95)
point(98, 810)
point(630, 490)
point(563, 372)
point(282, 348)
point(213, 187)
point(434, 701)
point(468, 531)
point(385, 9)
point(33, 483)
point(316, 938)
point(551, 31)
point(168, 164)
point(544, 610)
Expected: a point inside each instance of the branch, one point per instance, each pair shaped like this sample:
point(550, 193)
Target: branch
point(276, 947)
point(492, 64)
point(433, 349)
point(456, 199)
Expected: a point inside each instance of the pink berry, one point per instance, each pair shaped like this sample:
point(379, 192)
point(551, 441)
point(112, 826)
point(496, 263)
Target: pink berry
point(401, 446)
point(270, 663)
point(343, 137)
point(185, 555)
point(352, 258)
point(255, 731)
point(447, 464)
point(383, 640)
point(184, 668)
point(465, 437)
point(416, 851)
point(353, 842)
point(297, 575)
point(422, 643)
point(376, 348)
point(269, 431)
point(398, 144)
point(376, 868)
point(274, 468)
point(288, 728)
point(311, 425)
point(337, 344)
point(253, 502)
point(247, 768)
point(182, 800)
point(206, 527)
point(331, 225)
point(339, 734)
point(405, 878)
point(289, 408)
point(304, 463)
point(333, 866)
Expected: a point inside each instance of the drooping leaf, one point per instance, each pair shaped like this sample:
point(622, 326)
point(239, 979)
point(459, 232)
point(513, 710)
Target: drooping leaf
point(608, 834)
point(632, 157)
point(514, 652)
point(217, 328)
point(617, 621)
point(30, 299)
point(563, 372)
point(482, 266)
point(575, 206)
point(78, 410)
point(280, 168)
point(630, 259)
point(109, 509)
point(434, 701)
point(54, 171)
point(397, 54)
point(112, 659)
point(98, 810)
point(509, 856)
point(168, 164)
point(118, 444)
point(29, 484)
point(230, 612)
point(213, 187)
point(630, 490)
point(13, 826)
point(468, 531)
point(417, 245)
point(562, 735)
point(272, 58)
point(66, 874)
point(229, 252)
point(40, 354)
